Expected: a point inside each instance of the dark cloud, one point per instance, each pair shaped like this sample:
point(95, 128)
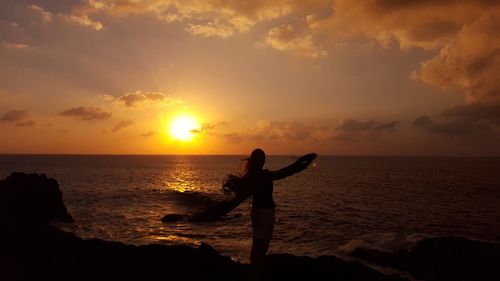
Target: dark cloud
point(475, 120)
point(206, 128)
point(298, 131)
point(122, 125)
point(352, 125)
point(284, 130)
point(478, 111)
point(453, 128)
point(234, 137)
point(279, 131)
point(149, 134)
point(389, 126)
point(423, 121)
point(86, 113)
point(354, 130)
point(14, 116)
point(142, 98)
point(28, 123)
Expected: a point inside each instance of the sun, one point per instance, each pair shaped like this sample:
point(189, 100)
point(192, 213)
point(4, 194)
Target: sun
point(183, 128)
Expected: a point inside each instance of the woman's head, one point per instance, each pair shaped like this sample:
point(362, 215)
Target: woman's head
point(254, 164)
point(256, 161)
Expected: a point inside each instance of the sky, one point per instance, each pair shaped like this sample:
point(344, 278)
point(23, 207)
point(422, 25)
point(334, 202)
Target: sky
point(365, 77)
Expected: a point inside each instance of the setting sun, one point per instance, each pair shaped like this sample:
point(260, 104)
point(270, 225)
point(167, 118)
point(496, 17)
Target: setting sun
point(183, 128)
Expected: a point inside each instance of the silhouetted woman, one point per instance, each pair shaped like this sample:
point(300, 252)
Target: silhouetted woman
point(258, 182)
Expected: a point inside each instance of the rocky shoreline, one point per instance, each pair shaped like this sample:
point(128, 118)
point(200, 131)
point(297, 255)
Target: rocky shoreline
point(32, 249)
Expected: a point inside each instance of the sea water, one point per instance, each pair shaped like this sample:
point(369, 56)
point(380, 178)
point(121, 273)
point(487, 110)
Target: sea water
point(335, 205)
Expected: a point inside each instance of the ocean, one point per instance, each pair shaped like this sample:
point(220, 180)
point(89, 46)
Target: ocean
point(335, 205)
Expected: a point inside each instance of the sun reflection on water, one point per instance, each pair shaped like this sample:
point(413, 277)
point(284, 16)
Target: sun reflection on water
point(174, 239)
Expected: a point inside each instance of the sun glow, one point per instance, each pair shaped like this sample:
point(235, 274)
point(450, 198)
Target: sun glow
point(183, 128)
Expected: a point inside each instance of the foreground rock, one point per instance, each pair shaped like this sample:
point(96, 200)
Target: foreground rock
point(32, 249)
point(442, 258)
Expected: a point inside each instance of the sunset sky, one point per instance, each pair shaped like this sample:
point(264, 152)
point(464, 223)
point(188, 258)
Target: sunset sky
point(338, 77)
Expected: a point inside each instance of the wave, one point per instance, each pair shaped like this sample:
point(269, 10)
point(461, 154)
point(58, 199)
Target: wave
point(387, 242)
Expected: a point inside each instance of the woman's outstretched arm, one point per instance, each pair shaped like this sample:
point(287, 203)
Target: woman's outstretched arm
point(220, 209)
point(294, 168)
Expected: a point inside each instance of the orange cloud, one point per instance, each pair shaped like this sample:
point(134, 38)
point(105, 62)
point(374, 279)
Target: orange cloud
point(353, 130)
point(122, 125)
point(14, 116)
point(140, 98)
point(278, 130)
point(286, 38)
point(471, 61)
point(28, 123)
point(207, 18)
point(82, 20)
point(18, 117)
point(149, 134)
point(86, 113)
point(426, 24)
point(478, 120)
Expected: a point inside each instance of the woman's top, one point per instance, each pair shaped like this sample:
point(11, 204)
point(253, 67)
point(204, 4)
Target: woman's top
point(262, 183)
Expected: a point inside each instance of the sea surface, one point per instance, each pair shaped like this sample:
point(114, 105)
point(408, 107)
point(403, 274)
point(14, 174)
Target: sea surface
point(337, 204)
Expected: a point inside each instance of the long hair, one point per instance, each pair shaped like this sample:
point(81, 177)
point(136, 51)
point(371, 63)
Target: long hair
point(236, 184)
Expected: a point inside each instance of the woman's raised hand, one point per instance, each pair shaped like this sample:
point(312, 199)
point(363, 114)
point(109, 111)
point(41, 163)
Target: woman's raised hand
point(307, 159)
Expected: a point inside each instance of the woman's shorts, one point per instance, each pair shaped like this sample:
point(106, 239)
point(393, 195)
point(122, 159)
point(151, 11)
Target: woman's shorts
point(263, 222)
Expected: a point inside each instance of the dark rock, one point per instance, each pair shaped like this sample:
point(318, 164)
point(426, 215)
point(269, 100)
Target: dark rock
point(442, 258)
point(289, 267)
point(172, 218)
point(31, 198)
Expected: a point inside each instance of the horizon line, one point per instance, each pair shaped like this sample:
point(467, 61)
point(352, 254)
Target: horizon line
point(291, 154)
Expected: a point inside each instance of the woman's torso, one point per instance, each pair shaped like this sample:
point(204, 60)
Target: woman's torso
point(263, 184)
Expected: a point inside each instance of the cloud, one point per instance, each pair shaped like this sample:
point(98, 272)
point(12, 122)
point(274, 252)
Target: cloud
point(354, 130)
point(279, 131)
point(82, 20)
point(28, 123)
point(140, 98)
point(234, 137)
point(478, 111)
point(46, 16)
point(425, 24)
point(14, 116)
point(18, 117)
point(211, 30)
point(471, 61)
point(287, 38)
point(18, 46)
point(352, 125)
point(423, 121)
point(463, 32)
point(86, 113)
point(206, 18)
point(389, 126)
point(474, 120)
point(453, 128)
point(207, 127)
point(122, 125)
point(149, 134)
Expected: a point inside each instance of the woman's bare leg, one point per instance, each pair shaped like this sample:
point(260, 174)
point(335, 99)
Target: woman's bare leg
point(258, 256)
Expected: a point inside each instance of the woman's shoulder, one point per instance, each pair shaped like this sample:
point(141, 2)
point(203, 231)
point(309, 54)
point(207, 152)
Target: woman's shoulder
point(267, 173)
